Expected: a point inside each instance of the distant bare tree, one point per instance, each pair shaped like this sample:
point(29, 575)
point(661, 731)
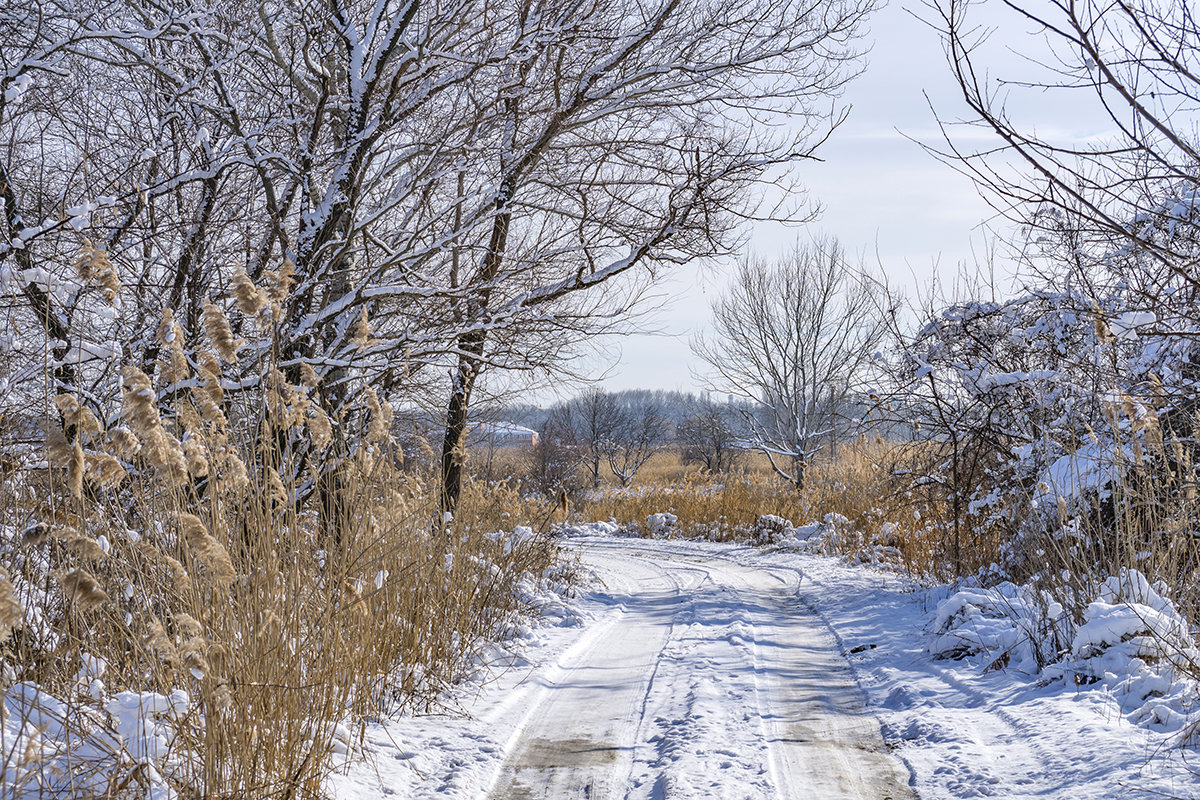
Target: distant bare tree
point(553, 463)
point(590, 422)
point(642, 431)
point(709, 436)
point(795, 337)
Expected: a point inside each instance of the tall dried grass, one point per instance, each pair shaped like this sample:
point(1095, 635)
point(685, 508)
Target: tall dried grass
point(1145, 518)
point(165, 540)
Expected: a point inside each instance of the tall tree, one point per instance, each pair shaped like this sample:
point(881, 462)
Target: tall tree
point(632, 145)
point(794, 337)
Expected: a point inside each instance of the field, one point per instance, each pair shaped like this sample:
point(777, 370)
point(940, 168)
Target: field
point(858, 483)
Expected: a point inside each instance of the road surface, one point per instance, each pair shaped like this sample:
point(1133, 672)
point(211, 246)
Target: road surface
point(704, 679)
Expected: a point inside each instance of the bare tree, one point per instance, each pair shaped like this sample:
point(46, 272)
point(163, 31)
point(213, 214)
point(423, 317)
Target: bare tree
point(590, 423)
point(709, 436)
point(554, 462)
point(425, 188)
point(642, 431)
point(630, 144)
point(1134, 191)
point(795, 337)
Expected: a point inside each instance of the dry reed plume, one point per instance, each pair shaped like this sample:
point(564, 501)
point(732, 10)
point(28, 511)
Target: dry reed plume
point(168, 537)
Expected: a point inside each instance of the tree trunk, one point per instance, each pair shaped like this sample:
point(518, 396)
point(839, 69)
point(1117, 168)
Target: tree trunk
point(801, 468)
point(455, 441)
point(56, 325)
point(471, 348)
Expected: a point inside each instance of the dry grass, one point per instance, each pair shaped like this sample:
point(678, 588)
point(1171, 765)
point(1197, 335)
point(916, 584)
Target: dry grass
point(256, 632)
point(872, 483)
point(863, 482)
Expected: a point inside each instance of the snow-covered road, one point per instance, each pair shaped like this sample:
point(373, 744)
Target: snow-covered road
point(707, 679)
point(704, 671)
point(693, 676)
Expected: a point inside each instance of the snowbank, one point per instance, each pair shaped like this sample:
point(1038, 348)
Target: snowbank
point(51, 747)
point(1132, 641)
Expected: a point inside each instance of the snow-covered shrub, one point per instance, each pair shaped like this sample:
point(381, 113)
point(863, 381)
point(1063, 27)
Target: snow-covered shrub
point(1057, 428)
point(837, 529)
point(1138, 646)
point(770, 529)
point(661, 525)
point(1131, 642)
point(599, 528)
point(1007, 625)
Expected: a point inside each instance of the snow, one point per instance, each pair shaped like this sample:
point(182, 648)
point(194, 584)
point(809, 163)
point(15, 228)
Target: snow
point(703, 670)
point(1089, 469)
point(1125, 326)
point(688, 669)
point(52, 748)
point(17, 87)
point(691, 675)
point(996, 380)
point(975, 728)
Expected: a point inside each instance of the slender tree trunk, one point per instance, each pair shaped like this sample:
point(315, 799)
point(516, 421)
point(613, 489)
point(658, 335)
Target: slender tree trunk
point(471, 347)
point(455, 441)
point(56, 325)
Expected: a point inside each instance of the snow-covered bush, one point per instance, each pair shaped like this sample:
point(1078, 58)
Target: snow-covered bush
point(1131, 627)
point(770, 529)
point(1007, 625)
point(1132, 642)
point(661, 525)
point(1056, 428)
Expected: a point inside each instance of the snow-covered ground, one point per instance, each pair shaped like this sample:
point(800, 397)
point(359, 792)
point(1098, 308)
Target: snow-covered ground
point(701, 670)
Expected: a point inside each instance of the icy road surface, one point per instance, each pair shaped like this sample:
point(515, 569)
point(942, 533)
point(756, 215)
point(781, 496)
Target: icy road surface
point(687, 674)
point(707, 677)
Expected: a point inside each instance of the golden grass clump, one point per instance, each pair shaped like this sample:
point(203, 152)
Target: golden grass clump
point(83, 590)
point(320, 429)
point(212, 547)
point(249, 299)
point(286, 404)
point(209, 395)
point(11, 611)
point(205, 549)
point(360, 331)
point(104, 470)
point(77, 416)
point(308, 376)
point(141, 403)
point(219, 333)
point(380, 417)
point(277, 284)
point(94, 268)
point(160, 447)
point(175, 366)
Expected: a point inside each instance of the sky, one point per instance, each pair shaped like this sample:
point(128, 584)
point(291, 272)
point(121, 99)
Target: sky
point(883, 196)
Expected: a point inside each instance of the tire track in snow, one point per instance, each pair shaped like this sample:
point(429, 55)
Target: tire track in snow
point(579, 731)
point(821, 741)
point(991, 732)
point(714, 682)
